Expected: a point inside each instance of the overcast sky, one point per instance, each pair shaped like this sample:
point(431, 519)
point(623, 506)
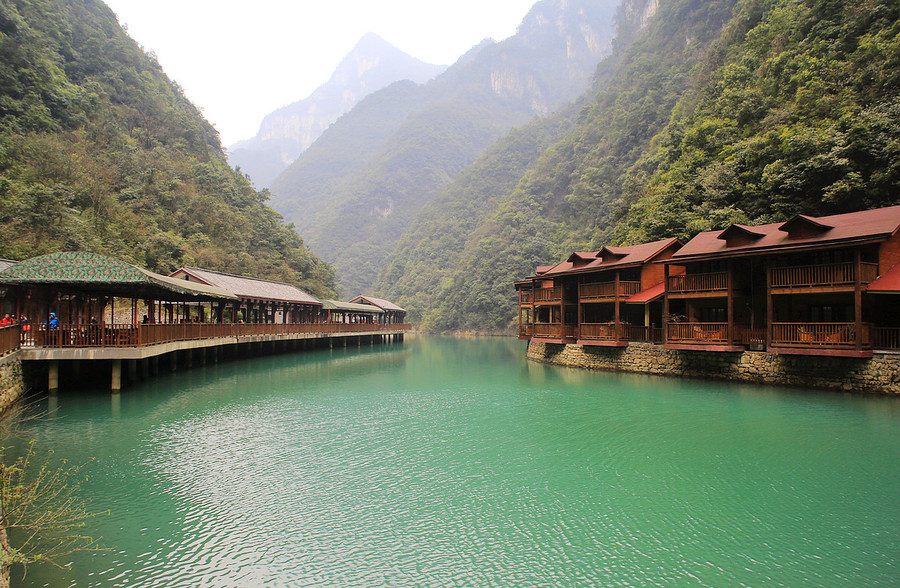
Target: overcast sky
point(238, 61)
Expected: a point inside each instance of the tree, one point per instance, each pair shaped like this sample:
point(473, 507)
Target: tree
point(41, 514)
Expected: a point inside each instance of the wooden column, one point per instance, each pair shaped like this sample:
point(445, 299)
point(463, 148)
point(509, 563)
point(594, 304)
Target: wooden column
point(666, 317)
point(730, 332)
point(857, 301)
point(618, 310)
point(770, 305)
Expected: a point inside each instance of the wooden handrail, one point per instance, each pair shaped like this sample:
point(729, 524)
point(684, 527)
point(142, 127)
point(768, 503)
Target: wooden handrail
point(886, 337)
point(698, 333)
point(607, 290)
point(834, 274)
point(710, 282)
point(548, 294)
point(119, 335)
point(819, 335)
point(10, 338)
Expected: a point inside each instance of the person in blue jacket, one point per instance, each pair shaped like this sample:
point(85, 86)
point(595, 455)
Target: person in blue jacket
point(53, 323)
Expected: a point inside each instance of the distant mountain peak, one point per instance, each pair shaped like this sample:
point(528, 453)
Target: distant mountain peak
point(284, 134)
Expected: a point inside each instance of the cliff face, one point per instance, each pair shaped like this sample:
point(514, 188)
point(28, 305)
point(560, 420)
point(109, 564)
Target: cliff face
point(407, 142)
point(285, 133)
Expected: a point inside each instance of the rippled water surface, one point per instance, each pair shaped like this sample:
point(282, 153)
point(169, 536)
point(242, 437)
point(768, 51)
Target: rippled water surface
point(447, 462)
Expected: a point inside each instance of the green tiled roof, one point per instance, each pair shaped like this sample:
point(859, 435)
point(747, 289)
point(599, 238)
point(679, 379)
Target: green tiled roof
point(101, 273)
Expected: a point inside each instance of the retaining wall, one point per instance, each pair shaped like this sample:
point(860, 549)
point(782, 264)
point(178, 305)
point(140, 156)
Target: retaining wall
point(878, 375)
point(12, 380)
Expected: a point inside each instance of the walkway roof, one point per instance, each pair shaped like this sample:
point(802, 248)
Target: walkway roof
point(107, 276)
point(246, 287)
point(350, 307)
point(379, 302)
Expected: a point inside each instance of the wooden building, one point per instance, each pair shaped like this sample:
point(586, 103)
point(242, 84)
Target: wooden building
point(261, 301)
point(393, 314)
point(812, 285)
point(607, 297)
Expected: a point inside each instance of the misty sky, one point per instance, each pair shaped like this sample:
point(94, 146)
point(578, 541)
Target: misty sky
point(238, 61)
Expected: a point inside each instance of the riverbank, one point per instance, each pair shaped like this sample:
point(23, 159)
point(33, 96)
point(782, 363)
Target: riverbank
point(879, 374)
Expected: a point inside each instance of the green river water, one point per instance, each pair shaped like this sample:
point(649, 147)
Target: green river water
point(453, 462)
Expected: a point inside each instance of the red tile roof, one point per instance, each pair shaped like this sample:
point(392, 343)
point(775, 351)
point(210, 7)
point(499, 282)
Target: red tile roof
point(887, 283)
point(609, 257)
point(866, 225)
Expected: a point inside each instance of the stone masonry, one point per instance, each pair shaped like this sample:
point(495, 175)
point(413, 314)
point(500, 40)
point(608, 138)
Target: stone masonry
point(878, 375)
point(12, 380)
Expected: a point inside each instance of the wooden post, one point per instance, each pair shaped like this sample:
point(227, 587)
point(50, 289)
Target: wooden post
point(857, 301)
point(770, 305)
point(730, 331)
point(665, 321)
point(617, 309)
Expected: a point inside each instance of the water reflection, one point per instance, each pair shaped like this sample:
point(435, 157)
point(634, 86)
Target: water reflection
point(456, 462)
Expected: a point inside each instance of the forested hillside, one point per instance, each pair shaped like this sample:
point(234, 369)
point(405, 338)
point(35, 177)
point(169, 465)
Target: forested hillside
point(100, 151)
point(356, 190)
point(719, 111)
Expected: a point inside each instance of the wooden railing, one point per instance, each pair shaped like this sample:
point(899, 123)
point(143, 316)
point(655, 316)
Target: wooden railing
point(755, 337)
point(600, 331)
point(809, 276)
point(836, 335)
point(548, 294)
point(9, 339)
point(135, 336)
point(700, 333)
point(712, 282)
point(526, 330)
point(555, 331)
point(601, 290)
point(525, 296)
point(886, 337)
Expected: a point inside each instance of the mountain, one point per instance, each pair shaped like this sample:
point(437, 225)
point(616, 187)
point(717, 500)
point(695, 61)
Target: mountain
point(284, 134)
point(360, 185)
point(710, 112)
point(100, 151)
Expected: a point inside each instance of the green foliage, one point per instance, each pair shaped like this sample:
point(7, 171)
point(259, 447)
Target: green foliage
point(718, 112)
point(100, 151)
point(801, 116)
point(567, 198)
point(356, 190)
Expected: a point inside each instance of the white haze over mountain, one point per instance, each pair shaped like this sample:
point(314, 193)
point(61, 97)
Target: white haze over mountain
point(284, 134)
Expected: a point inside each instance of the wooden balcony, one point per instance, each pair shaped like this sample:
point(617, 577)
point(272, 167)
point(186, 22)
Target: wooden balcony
point(698, 285)
point(820, 335)
point(821, 278)
point(698, 333)
point(526, 330)
point(554, 331)
point(625, 332)
point(548, 295)
point(525, 297)
point(605, 291)
point(601, 332)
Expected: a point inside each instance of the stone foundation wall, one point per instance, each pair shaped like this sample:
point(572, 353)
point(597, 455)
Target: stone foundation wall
point(878, 375)
point(12, 381)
